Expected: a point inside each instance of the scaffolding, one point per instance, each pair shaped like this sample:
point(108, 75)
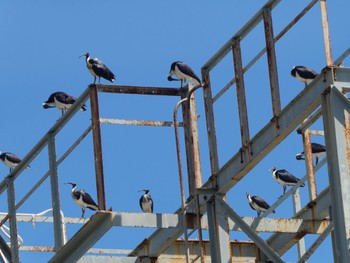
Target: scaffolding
point(205, 208)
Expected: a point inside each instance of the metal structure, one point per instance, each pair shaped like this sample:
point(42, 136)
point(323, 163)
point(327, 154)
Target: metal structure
point(205, 209)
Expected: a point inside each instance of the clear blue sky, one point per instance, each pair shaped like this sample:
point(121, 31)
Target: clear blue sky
point(138, 40)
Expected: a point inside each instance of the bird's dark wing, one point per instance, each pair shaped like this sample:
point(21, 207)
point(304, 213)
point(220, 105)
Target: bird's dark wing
point(88, 199)
point(184, 68)
point(305, 72)
point(317, 148)
point(12, 158)
point(286, 176)
point(140, 202)
point(260, 202)
point(102, 70)
point(65, 98)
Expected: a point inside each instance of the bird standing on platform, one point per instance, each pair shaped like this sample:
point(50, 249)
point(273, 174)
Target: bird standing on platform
point(284, 178)
point(61, 101)
point(258, 204)
point(316, 149)
point(183, 73)
point(304, 74)
point(11, 160)
point(146, 202)
point(98, 69)
point(82, 199)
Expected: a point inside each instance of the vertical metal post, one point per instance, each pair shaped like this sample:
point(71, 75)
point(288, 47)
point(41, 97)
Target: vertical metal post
point(326, 34)
point(272, 63)
point(213, 234)
point(223, 233)
point(209, 115)
point(336, 109)
point(242, 105)
point(192, 145)
point(55, 194)
point(11, 200)
point(309, 165)
point(96, 135)
point(297, 207)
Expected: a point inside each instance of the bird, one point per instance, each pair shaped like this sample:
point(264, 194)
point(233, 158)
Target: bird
point(183, 73)
point(82, 199)
point(317, 151)
point(258, 204)
point(11, 160)
point(61, 101)
point(98, 69)
point(284, 178)
point(146, 202)
point(304, 74)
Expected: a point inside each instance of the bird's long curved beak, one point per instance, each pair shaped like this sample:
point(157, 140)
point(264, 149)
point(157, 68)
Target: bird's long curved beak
point(172, 79)
point(68, 183)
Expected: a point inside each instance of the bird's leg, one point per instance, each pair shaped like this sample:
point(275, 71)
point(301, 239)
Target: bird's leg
point(181, 83)
point(99, 80)
point(258, 214)
point(94, 79)
point(62, 111)
point(316, 160)
point(11, 169)
point(284, 189)
point(83, 212)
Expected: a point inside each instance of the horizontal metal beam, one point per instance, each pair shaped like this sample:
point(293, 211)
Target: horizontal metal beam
point(140, 122)
point(140, 90)
point(142, 220)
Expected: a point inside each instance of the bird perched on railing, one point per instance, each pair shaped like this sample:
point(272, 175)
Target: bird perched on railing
point(285, 178)
point(304, 74)
point(11, 160)
point(146, 202)
point(258, 204)
point(61, 101)
point(82, 199)
point(183, 73)
point(317, 150)
point(98, 69)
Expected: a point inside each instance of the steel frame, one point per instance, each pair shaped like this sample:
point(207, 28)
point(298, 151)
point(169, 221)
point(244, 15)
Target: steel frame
point(325, 93)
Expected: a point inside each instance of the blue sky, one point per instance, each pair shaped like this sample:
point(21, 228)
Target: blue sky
point(138, 41)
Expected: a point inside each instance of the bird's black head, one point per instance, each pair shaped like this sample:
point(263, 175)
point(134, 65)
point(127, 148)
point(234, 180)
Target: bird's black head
point(300, 156)
point(272, 169)
point(145, 190)
point(293, 72)
point(85, 55)
point(172, 79)
point(247, 194)
point(71, 183)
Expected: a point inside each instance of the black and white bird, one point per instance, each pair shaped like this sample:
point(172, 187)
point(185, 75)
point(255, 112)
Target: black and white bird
point(98, 69)
point(284, 178)
point(258, 204)
point(183, 73)
point(317, 151)
point(61, 101)
point(146, 202)
point(11, 160)
point(82, 199)
point(304, 74)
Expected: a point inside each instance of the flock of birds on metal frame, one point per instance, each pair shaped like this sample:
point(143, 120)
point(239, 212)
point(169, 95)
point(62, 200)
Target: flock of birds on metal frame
point(183, 73)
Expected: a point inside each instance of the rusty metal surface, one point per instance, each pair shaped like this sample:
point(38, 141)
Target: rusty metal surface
point(272, 63)
point(96, 135)
point(139, 90)
point(309, 165)
point(241, 96)
point(326, 34)
point(140, 122)
point(210, 123)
